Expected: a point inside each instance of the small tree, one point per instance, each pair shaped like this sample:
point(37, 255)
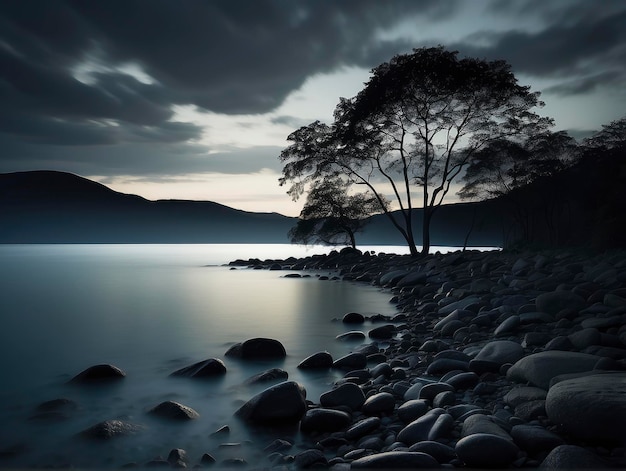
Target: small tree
point(612, 136)
point(332, 216)
point(417, 122)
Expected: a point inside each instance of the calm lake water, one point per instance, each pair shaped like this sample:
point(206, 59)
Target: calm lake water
point(151, 309)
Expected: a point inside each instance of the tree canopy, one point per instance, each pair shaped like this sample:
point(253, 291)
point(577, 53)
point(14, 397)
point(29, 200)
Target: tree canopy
point(412, 130)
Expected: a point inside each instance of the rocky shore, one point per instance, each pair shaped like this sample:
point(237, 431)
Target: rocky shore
point(496, 360)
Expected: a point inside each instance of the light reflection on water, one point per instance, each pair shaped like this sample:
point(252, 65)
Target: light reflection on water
point(151, 310)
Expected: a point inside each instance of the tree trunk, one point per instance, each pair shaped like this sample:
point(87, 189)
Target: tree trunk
point(428, 213)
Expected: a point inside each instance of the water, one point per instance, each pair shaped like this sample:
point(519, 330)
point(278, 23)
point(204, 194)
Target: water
point(151, 309)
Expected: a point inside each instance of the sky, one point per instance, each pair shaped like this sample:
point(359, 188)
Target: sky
point(194, 99)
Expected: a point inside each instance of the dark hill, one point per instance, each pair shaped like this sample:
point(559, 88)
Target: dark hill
point(57, 207)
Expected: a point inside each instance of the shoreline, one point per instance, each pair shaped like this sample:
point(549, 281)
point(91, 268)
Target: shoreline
point(470, 377)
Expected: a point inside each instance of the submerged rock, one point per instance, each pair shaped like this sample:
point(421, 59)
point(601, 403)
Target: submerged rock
point(318, 360)
point(203, 369)
point(174, 410)
point(111, 429)
point(99, 374)
point(257, 349)
point(281, 404)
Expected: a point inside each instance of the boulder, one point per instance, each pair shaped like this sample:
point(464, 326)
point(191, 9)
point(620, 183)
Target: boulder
point(396, 460)
point(319, 360)
point(539, 368)
point(565, 457)
point(283, 403)
point(378, 404)
point(110, 429)
point(324, 420)
point(556, 301)
point(353, 318)
point(203, 369)
point(347, 394)
point(98, 374)
point(351, 361)
point(494, 354)
point(591, 408)
point(484, 450)
point(273, 374)
point(257, 349)
point(174, 411)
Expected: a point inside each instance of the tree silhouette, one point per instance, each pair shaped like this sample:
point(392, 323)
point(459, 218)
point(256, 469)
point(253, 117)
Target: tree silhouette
point(331, 215)
point(413, 129)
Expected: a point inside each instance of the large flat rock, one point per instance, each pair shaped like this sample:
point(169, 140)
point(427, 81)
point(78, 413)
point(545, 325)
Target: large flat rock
point(539, 368)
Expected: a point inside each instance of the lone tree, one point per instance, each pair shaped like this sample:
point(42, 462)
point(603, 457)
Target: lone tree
point(412, 130)
point(331, 215)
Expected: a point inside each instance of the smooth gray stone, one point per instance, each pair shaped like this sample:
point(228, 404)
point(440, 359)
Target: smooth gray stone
point(310, 458)
point(556, 301)
point(494, 354)
point(479, 423)
point(257, 348)
point(464, 380)
point(319, 360)
point(429, 391)
point(462, 304)
point(591, 408)
point(203, 369)
point(351, 361)
point(347, 394)
point(273, 374)
point(453, 355)
point(519, 395)
point(99, 373)
point(584, 338)
point(419, 429)
point(381, 403)
point(442, 453)
point(351, 335)
point(324, 420)
point(539, 368)
point(412, 409)
point(443, 365)
point(565, 457)
point(396, 460)
point(174, 410)
point(534, 439)
point(283, 403)
point(531, 410)
point(353, 318)
point(414, 391)
point(510, 324)
point(442, 427)
point(362, 428)
point(486, 450)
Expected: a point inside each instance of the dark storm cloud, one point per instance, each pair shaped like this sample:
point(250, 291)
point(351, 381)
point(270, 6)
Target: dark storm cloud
point(582, 42)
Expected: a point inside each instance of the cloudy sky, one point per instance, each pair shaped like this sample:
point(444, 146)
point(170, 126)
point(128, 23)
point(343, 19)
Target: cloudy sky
point(194, 99)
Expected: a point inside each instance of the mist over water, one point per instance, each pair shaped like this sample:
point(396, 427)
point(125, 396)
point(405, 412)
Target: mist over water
point(151, 309)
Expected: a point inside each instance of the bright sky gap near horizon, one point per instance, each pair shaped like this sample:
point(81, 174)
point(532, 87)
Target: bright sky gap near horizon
point(194, 99)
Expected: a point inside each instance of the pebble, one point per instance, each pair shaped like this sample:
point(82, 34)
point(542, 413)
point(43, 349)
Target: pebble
point(486, 450)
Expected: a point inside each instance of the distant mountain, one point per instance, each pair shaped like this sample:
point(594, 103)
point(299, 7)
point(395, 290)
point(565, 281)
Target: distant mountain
point(57, 207)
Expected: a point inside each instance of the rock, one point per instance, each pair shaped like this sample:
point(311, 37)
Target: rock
point(531, 410)
point(442, 453)
point(203, 369)
point(419, 429)
point(98, 374)
point(483, 424)
point(310, 459)
point(585, 338)
point(378, 404)
point(442, 427)
point(353, 318)
point(352, 335)
point(174, 411)
point(396, 460)
point(556, 301)
point(464, 380)
point(283, 403)
point(362, 428)
point(324, 420)
point(177, 458)
point(539, 368)
point(591, 408)
point(347, 394)
point(566, 457)
point(111, 429)
point(207, 459)
point(412, 410)
point(257, 349)
point(534, 439)
point(486, 450)
point(517, 396)
point(273, 374)
point(494, 354)
point(351, 361)
point(384, 332)
point(444, 365)
point(429, 391)
point(510, 324)
point(319, 360)
point(392, 277)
